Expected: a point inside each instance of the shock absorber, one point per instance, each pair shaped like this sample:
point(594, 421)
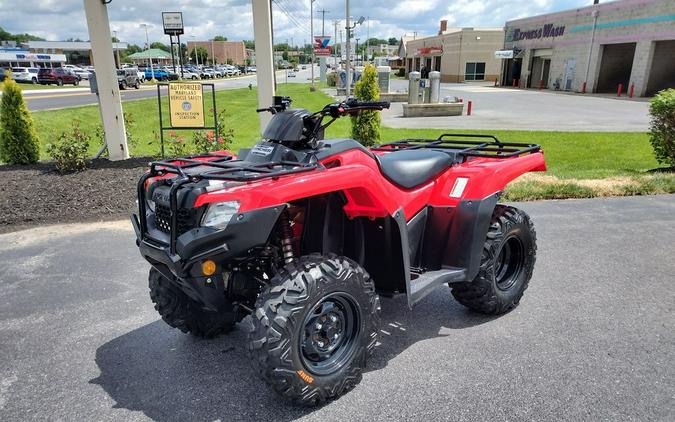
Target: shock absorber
point(286, 237)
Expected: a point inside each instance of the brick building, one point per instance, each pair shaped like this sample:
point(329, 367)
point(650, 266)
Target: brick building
point(223, 51)
point(460, 54)
point(599, 47)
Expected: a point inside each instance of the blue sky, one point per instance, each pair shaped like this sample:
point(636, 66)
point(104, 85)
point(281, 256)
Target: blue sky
point(62, 19)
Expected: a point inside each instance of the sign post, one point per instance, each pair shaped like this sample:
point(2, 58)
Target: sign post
point(173, 25)
point(186, 108)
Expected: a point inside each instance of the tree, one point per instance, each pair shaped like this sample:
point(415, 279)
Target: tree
point(250, 44)
point(393, 41)
point(366, 125)
point(199, 53)
point(160, 46)
point(19, 38)
point(219, 38)
point(19, 143)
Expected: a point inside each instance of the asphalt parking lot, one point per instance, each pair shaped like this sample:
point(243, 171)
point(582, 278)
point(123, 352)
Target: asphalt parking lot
point(593, 338)
point(518, 109)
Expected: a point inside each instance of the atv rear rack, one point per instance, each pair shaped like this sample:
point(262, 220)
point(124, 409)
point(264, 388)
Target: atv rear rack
point(486, 146)
point(224, 168)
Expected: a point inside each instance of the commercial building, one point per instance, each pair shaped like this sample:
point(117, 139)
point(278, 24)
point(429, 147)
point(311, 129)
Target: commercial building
point(48, 53)
point(233, 52)
point(460, 54)
point(627, 45)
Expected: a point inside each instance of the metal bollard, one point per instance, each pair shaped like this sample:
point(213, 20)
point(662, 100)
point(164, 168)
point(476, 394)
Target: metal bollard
point(435, 81)
point(619, 89)
point(413, 87)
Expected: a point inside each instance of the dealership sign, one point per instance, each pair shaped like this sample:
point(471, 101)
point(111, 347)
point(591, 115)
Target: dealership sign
point(173, 23)
point(546, 31)
point(321, 46)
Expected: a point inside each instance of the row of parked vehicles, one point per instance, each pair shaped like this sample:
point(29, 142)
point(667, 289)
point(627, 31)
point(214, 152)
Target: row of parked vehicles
point(128, 76)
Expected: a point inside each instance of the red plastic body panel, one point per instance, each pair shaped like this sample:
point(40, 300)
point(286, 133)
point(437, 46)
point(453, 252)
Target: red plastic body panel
point(370, 194)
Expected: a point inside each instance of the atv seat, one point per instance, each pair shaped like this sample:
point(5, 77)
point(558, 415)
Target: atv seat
point(411, 168)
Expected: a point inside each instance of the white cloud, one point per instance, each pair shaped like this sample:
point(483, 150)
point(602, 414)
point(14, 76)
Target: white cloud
point(62, 19)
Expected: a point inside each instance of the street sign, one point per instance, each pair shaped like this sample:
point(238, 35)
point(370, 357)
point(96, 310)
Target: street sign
point(186, 105)
point(321, 45)
point(173, 23)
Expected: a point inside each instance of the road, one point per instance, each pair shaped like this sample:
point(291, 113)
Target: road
point(56, 99)
point(593, 338)
point(518, 109)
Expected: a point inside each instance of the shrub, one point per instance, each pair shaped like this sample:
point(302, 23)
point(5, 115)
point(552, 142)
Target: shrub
point(70, 150)
point(206, 140)
point(662, 127)
point(129, 122)
point(400, 72)
point(176, 145)
point(18, 140)
point(331, 79)
point(366, 125)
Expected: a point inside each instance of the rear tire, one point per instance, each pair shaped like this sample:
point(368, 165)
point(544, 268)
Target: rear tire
point(76, 82)
point(314, 327)
point(179, 311)
point(509, 254)
point(59, 82)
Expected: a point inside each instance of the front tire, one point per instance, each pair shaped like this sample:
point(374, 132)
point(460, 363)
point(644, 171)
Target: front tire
point(509, 254)
point(314, 327)
point(179, 311)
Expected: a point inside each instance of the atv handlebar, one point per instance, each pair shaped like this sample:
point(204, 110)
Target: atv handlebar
point(352, 106)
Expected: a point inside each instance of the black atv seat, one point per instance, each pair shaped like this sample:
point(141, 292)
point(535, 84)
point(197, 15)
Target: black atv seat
point(411, 168)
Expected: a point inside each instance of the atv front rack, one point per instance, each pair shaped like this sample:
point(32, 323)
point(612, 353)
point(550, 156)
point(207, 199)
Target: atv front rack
point(486, 146)
point(211, 166)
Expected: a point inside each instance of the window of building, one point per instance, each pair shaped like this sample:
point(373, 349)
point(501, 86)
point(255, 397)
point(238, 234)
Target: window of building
point(475, 71)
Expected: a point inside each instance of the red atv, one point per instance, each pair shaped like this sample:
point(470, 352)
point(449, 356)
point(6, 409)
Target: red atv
point(303, 234)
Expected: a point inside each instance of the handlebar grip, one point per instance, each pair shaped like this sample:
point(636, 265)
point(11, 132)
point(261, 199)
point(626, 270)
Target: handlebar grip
point(260, 110)
point(374, 104)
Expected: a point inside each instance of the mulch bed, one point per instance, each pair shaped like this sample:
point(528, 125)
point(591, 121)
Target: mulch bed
point(38, 194)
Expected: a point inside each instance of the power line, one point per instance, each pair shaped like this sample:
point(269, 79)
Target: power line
point(290, 16)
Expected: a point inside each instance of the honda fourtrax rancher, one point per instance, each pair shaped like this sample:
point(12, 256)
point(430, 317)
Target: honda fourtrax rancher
point(305, 234)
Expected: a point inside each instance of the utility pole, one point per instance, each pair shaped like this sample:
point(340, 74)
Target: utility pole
point(264, 56)
point(117, 50)
point(367, 37)
point(348, 28)
point(109, 100)
point(311, 29)
point(147, 48)
point(323, 20)
point(335, 42)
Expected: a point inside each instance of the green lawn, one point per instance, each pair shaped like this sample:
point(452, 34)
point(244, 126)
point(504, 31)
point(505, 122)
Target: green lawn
point(28, 87)
point(569, 154)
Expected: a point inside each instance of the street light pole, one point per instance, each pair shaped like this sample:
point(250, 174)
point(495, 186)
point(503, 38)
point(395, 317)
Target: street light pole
point(311, 29)
point(347, 44)
point(117, 50)
point(147, 48)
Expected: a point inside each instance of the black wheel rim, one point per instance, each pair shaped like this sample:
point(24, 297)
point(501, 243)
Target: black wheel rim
point(330, 334)
point(509, 263)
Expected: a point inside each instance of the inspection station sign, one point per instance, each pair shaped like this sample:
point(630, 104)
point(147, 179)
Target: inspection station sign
point(173, 23)
point(186, 105)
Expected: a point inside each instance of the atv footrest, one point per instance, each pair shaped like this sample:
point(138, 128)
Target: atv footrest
point(426, 282)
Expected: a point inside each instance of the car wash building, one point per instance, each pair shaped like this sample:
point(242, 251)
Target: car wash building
point(626, 44)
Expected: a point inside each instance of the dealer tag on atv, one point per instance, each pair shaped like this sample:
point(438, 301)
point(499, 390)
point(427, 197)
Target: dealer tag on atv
point(262, 150)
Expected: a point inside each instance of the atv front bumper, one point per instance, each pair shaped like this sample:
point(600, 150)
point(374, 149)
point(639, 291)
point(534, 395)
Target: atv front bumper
point(181, 262)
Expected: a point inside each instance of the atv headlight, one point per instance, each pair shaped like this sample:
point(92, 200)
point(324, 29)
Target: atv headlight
point(219, 214)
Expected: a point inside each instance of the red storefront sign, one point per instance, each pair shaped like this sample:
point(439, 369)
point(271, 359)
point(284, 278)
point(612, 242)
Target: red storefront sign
point(427, 51)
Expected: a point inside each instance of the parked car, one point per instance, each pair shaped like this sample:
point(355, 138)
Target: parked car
point(291, 74)
point(303, 67)
point(127, 78)
point(58, 76)
point(82, 73)
point(159, 74)
point(2, 73)
point(25, 74)
point(189, 74)
point(251, 69)
point(208, 74)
